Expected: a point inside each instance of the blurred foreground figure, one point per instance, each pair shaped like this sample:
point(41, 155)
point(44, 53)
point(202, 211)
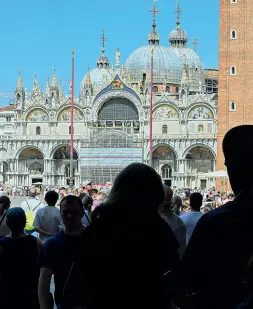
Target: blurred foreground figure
point(128, 246)
point(221, 244)
point(19, 254)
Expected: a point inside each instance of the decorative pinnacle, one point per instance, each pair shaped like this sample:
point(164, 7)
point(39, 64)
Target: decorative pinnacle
point(195, 43)
point(178, 12)
point(154, 12)
point(103, 39)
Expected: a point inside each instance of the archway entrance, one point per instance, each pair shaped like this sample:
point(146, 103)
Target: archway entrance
point(61, 165)
point(30, 166)
point(165, 162)
point(199, 161)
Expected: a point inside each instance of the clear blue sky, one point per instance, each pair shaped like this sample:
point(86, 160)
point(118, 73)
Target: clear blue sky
point(36, 35)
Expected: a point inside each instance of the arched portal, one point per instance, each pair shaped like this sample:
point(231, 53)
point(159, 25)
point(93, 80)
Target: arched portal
point(30, 166)
point(165, 162)
point(61, 164)
point(199, 161)
point(119, 112)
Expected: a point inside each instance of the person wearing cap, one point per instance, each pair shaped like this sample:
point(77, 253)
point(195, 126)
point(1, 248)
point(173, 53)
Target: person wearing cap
point(99, 198)
point(19, 254)
point(87, 186)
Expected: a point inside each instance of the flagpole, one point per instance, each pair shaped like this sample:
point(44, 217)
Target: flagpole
point(151, 110)
point(71, 181)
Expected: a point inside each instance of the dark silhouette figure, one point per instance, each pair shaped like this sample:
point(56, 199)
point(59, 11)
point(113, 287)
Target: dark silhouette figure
point(128, 247)
point(221, 244)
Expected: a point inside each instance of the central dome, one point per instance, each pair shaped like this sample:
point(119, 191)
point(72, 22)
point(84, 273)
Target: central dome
point(98, 76)
point(167, 66)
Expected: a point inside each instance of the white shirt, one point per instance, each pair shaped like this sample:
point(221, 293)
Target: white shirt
point(32, 203)
point(48, 219)
point(190, 220)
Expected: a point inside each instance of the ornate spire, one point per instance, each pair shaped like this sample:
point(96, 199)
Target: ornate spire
point(48, 88)
point(117, 58)
point(154, 36)
point(178, 37)
point(88, 78)
point(195, 43)
point(60, 90)
point(54, 81)
point(103, 61)
point(35, 84)
point(20, 82)
point(178, 12)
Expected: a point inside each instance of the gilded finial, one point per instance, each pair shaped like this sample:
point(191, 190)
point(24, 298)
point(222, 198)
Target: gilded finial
point(178, 12)
point(73, 52)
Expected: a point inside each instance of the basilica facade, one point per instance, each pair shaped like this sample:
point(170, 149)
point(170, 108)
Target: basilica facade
point(112, 120)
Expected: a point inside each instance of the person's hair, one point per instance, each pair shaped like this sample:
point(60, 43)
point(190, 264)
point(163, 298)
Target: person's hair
point(231, 195)
point(168, 197)
point(16, 223)
point(51, 198)
point(71, 199)
point(93, 191)
point(62, 188)
point(87, 202)
point(32, 192)
point(132, 188)
point(196, 200)
point(5, 201)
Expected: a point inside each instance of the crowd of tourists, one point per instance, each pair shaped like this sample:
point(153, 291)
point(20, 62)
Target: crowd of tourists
point(140, 246)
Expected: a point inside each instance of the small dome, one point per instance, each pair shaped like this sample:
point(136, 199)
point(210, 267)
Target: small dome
point(99, 76)
point(178, 37)
point(188, 56)
point(103, 62)
point(166, 64)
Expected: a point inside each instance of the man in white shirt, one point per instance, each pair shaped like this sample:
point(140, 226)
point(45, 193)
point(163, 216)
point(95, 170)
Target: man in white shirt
point(32, 203)
point(192, 217)
point(48, 221)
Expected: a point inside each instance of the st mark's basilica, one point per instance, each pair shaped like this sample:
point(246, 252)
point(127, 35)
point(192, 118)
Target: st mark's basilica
point(112, 119)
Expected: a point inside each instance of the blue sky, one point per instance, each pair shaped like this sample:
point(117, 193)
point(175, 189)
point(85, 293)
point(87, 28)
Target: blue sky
point(37, 35)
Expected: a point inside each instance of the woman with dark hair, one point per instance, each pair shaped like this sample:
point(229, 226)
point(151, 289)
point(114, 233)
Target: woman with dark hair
point(19, 271)
point(129, 246)
point(5, 204)
point(87, 203)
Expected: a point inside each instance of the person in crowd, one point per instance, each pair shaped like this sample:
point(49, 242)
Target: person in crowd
point(93, 193)
point(47, 220)
point(191, 218)
point(5, 204)
point(99, 198)
point(19, 270)
point(13, 192)
point(87, 202)
point(174, 221)
point(87, 186)
point(63, 192)
point(178, 203)
point(221, 244)
point(231, 197)
point(59, 253)
point(30, 207)
point(128, 245)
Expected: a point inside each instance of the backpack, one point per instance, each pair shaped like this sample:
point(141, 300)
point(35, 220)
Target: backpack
point(30, 217)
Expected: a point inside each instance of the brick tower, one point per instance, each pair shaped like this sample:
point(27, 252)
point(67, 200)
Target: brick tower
point(235, 105)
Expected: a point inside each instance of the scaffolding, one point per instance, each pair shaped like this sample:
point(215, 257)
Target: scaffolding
point(105, 152)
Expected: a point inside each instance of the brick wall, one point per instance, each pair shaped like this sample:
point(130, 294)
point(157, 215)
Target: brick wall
point(238, 52)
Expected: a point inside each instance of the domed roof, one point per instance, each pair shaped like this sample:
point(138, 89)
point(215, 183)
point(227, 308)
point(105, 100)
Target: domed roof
point(99, 76)
point(166, 64)
point(178, 35)
point(103, 62)
point(187, 57)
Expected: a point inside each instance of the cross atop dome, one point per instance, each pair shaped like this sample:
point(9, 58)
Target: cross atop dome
point(103, 39)
point(154, 36)
point(178, 12)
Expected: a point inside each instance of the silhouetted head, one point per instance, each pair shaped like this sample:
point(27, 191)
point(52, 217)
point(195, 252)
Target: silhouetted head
point(196, 200)
point(5, 204)
point(51, 198)
point(16, 220)
point(138, 186)
point(238, 152)
point(71, 212)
